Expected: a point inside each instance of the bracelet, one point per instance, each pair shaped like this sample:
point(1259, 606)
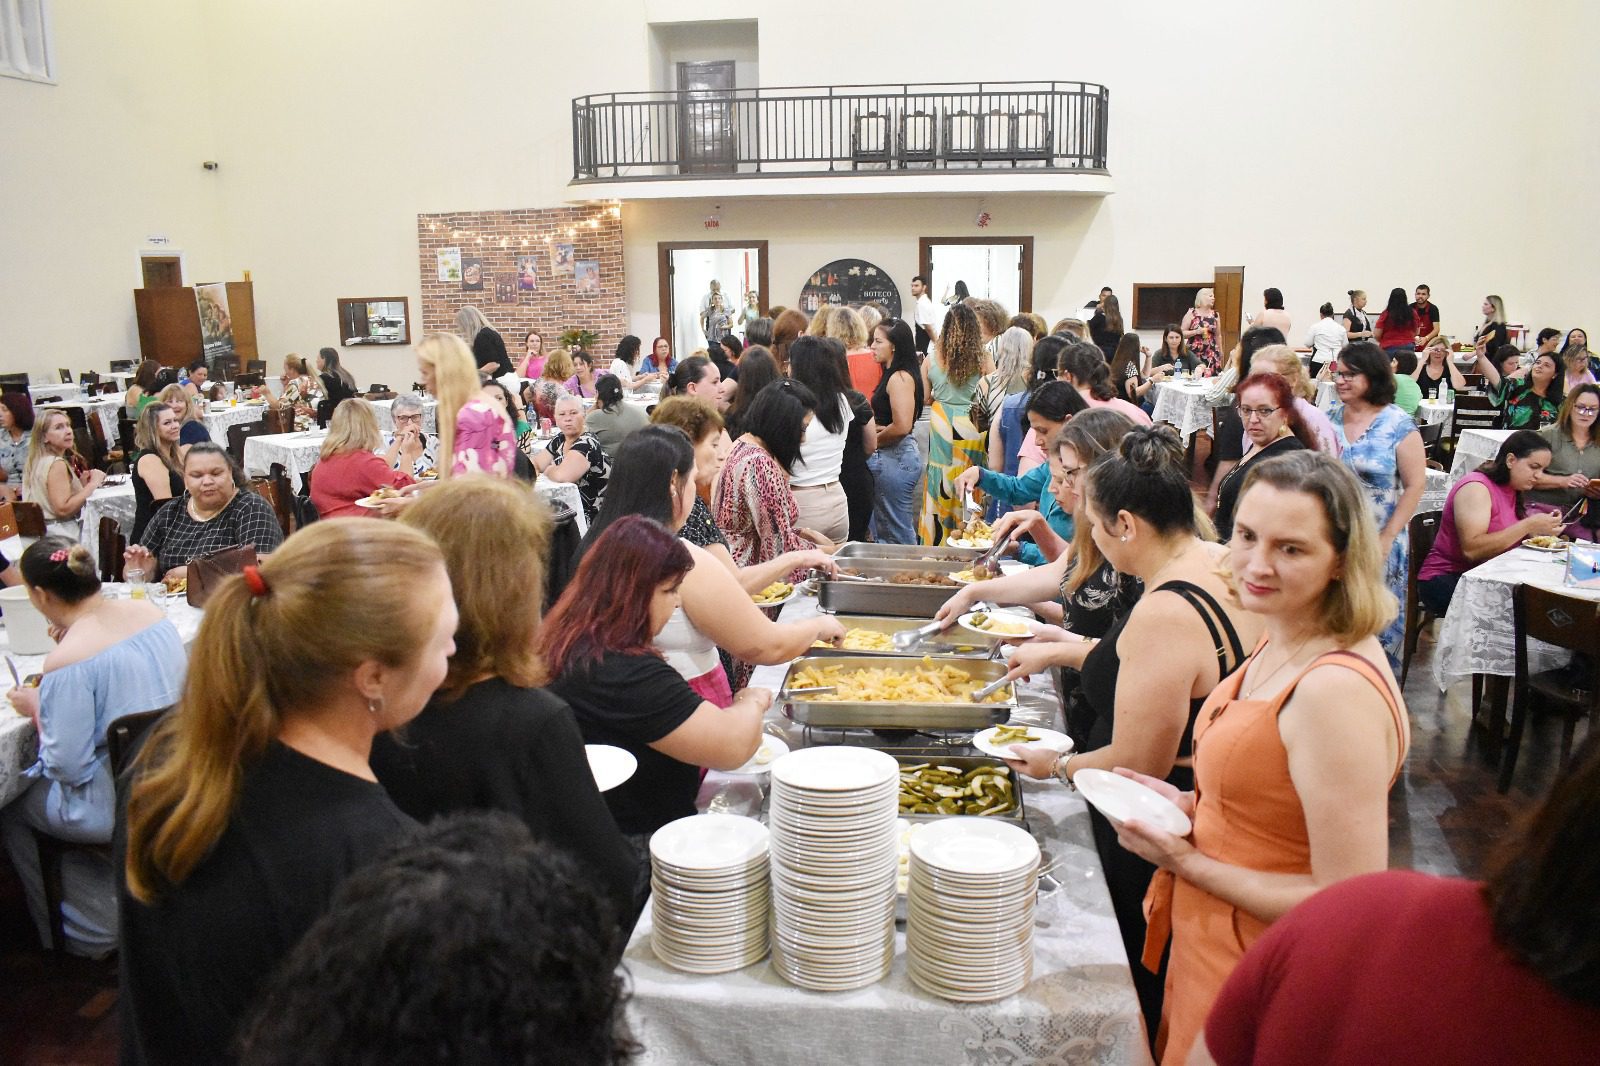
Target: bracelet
point(1060, 771)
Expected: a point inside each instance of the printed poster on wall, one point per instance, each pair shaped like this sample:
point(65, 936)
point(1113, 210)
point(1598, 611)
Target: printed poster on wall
point(216, 328)
point(850, 281)
point(471, 274)
point(527, 273)
point(561, 259)
point(449, 260)
point(505, 291)
point(586, 276)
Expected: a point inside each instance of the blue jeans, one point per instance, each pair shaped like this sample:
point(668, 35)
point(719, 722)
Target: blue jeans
point(897, 469)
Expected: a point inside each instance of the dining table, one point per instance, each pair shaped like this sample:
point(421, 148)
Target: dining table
point(1079, 1007)
point(1183, 405)
point(19, 741)
point(1474, 447)
point(220, 416)
point(1435, 412)
point(105, 408)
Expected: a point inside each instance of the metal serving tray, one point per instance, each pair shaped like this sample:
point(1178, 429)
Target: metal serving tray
point(860, 549)
point(883, 597)
point(885, 715)
point(956, 640)
point(964, 763)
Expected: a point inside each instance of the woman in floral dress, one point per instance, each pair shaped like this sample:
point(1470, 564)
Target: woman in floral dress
point(950, 377)
point(1202, 328)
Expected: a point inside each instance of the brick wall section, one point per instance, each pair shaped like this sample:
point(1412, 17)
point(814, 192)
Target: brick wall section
point(498, 238)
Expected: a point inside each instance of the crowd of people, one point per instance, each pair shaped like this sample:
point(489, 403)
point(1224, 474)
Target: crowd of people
point(402, 751)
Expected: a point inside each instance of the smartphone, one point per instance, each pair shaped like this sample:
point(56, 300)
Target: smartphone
point(1572, 515)
point(32, 680)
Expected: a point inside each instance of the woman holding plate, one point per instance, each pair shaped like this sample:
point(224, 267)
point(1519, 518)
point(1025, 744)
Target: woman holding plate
point(1294, 755)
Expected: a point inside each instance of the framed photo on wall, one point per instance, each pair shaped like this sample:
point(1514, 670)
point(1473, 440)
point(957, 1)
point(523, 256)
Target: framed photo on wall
point(527, 273)
point(471, 274)
point(561, 259)
point(586, 276)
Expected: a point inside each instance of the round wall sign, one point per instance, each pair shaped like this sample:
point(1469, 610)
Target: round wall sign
point(850, 281)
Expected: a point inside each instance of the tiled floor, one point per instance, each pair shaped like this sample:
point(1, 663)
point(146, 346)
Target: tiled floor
point(1445, 818)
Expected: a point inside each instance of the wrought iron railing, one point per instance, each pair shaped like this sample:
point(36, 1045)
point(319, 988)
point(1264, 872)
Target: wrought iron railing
point(831, 129)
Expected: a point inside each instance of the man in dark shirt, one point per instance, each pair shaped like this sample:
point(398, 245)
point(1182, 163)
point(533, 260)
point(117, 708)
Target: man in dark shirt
point(1426, 315)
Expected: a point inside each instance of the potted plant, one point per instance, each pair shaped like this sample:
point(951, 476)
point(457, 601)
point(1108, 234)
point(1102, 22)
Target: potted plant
point(578, 338)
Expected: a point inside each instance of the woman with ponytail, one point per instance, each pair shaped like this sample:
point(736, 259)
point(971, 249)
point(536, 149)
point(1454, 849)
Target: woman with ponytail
point(112, 658)
point(253, 800)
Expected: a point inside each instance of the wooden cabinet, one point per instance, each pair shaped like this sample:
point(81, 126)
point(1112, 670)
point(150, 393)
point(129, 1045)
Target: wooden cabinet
point(169, 323)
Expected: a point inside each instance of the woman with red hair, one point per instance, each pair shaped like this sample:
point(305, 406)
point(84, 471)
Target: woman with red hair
point(1272, 426)
point(598, 647)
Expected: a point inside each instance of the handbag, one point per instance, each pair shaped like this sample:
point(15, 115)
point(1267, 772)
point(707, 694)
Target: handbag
point(8, 520)
point(207, 572)
point(18, 519)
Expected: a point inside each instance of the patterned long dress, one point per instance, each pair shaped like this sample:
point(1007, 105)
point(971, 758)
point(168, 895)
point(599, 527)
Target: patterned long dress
point(1205, 347)
point(954, 444)
point(1372, 457)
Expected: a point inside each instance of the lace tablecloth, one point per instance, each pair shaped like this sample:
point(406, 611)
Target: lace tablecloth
point(46, 393)
point(219, 419)
point(1478, 635)
point(1182, 404)
point(105, 410)
point(1474, 448)
point(1080, 1006)
point(1326, 395)
point(108, 501)
point(1431, 412)
point(19, 743)
point(384, 409)
point(296, 452)
point(1436, 491)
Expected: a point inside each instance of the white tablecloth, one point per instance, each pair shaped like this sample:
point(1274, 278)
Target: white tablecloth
point(219, 418)
point(297, 452)
point(42, 393)
point(104, 409)
point(1436, 492)
point(1326, 394)
point(1474, 448)
point(19, 743)
point(1182, 404)
point(384, 409)
point(1478, 635)
point(1431, 412)
point(108, 501)
point(1079, 1008)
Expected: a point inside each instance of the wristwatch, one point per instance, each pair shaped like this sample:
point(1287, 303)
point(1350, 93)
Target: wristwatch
point(1060, 771)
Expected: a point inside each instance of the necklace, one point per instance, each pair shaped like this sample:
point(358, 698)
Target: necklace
point(1260, 679)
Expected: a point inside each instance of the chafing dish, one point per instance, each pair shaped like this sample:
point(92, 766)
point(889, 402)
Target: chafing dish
point(882, 714)
point(957, 640)
point(886, 597)
point(964, 763)
point(944, 553)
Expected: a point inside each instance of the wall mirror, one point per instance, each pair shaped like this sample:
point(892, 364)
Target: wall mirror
point(374, 320)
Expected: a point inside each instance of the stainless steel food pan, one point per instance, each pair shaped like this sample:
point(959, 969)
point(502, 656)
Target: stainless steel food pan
point(961, 714)
point(857, 549)
point(965, 763)
point(956, 640)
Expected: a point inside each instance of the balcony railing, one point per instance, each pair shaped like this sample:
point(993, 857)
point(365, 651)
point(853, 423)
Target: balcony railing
point(832, 129)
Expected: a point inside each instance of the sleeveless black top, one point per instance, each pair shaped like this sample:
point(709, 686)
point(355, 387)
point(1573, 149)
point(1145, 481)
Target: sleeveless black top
point(1103, 664)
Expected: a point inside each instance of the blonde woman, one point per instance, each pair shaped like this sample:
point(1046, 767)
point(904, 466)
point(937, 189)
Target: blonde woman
point(157, 466)
point(1284, 361)
point(475, 432)
point(845, 325)
point(950, 377)
point(488, 347)
point(299, 387)
point(1494, 332)
point(190, 410)
point(56, 476)
point(1357, 323)
point(551, 385)
point(350, 468)
point(1295, 754)
point(1012, 350)
point(1202, 329)
point(253, 800)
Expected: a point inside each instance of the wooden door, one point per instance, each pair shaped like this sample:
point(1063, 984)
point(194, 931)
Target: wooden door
point(1229, 285)
point(162, 271)
point(705, 117)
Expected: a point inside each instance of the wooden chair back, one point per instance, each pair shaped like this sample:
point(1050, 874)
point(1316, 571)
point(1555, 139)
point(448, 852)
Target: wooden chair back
point(66, 375)
point(1565, 621)
point(274, 487)
point(238, 434)
point(29, 519)
point(125, 734)
point(1422, 530)
point(278, 419)
point(112, 546)
point(1474, 412)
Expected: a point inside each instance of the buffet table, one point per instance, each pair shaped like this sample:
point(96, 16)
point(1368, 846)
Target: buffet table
point(19, 743)
point(1183, 404)
point(1080, 1006)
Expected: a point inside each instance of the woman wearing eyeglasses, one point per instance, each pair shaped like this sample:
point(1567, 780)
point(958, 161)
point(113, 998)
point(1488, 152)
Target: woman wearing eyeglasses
point(1273, 426)
point(1574, 469)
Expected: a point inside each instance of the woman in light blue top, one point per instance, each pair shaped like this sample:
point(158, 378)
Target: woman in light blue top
point(114, 658)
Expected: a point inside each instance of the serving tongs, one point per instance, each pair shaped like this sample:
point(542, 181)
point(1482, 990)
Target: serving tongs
point(822, 575)
point(907, 639)
point(807, 690)
point(989, 562)
point(988, 690)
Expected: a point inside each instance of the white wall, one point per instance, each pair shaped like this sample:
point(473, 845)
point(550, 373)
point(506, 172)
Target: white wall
point(1321, 145)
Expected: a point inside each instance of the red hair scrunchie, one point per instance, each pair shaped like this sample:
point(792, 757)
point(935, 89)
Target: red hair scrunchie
point(254, 581)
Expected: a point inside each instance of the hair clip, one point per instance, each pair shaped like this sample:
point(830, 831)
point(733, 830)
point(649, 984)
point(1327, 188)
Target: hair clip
point(58, 556)
point(254, 581)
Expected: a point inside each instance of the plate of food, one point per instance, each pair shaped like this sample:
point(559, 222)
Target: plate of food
point(430, 474)
point(965, 542)
point(377, 499)
point(996, 624)
point(761, 761)
point(965, 577)
point(997, 740)
point(775, 595)
point(611, 766)
point(176, 586)
point(1545, 544)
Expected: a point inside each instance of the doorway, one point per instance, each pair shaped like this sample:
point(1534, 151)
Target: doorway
point(161, 271)
point(687, 269)
point(705, 116)
point(993, 268)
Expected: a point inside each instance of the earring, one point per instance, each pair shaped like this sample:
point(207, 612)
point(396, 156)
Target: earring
point(375, 706)
point(1123, 538)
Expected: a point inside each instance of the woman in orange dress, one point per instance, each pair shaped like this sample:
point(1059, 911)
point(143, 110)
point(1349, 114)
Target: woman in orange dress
point(1295, 753)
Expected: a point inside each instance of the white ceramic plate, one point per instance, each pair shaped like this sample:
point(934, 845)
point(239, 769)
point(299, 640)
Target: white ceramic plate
point(709, 841)
point(610, 766)
point(795, 591)
point(1120, 798)
point(1015, 627)
point(975, 846)
point(771, 749)
point(982, 545)
point(1541, 548)
point(836, 768)
point(1048, 738)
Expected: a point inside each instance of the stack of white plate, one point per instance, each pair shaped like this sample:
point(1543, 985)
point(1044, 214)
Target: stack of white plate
point(970, 903)
point(710, 899)
point(833, 815)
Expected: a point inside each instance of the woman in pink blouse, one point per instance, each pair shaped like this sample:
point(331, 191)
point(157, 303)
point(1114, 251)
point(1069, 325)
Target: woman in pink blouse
point(480, 436)
point(753, 504)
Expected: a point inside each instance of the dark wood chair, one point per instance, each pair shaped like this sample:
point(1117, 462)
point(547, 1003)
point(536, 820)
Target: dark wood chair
point(1474, 412)
point(123, 738)
point(30, 519)
point(1570, 622)
point(249, 381)
point(1474, 381)
point(112, 546)
point(1422, 529)
point(66, 375)
point(109, 388)
point(255, 366)
point(274, 487)
point(278, 419)
point(238, 434)
point(1432, 440)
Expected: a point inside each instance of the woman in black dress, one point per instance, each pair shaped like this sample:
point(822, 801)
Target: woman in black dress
point(1273, 427)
